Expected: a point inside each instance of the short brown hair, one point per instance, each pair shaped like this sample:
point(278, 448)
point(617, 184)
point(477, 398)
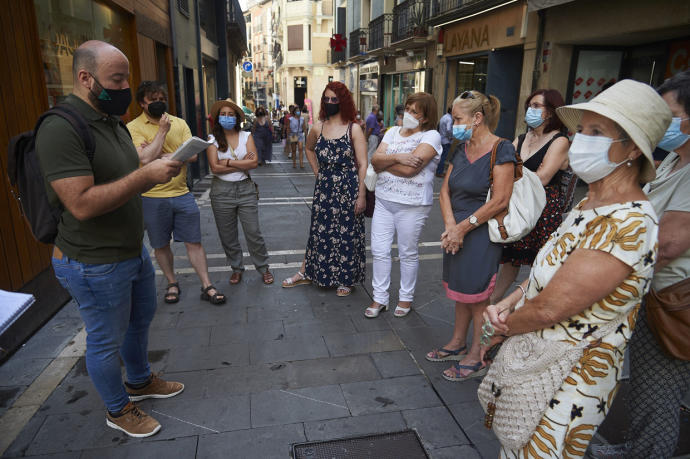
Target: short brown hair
point(426, 103)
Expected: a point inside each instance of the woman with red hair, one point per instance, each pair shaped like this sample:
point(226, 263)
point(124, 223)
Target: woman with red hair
point(337, 153)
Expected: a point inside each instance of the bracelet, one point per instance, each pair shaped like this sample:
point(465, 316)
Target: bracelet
point(524, 293)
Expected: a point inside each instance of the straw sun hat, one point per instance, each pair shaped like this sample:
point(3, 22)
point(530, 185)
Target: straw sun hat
point(636, 107)
point(217, 105)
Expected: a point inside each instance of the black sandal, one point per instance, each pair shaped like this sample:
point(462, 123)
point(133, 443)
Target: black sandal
point(172, 297)
point(216, 298)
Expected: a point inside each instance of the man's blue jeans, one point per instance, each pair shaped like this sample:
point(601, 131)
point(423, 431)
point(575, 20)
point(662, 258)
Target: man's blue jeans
point(117, 302)
point(441, 168)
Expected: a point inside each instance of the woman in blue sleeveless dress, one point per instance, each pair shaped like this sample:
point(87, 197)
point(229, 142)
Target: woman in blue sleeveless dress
point(336, 151)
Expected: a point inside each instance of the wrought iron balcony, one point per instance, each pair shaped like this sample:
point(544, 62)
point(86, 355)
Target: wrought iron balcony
point(380, 30)
point(358, 42)
point(446, 10)
point(410, 19)
point(336, 56)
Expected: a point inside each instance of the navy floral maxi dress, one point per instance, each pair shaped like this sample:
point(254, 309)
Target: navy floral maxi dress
point(336, 247)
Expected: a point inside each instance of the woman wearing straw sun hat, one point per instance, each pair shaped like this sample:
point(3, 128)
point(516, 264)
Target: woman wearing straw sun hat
point(572, 318)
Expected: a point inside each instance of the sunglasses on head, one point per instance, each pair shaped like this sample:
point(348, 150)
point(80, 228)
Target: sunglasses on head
point(470, 95)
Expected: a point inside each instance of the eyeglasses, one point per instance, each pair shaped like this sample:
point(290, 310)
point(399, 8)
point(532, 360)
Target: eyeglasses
point(537, 105)
point(469, 95)
point(332, 100)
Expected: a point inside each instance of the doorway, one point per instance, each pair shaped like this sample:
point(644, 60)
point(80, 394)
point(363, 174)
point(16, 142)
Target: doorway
point(300, 92)
point(503, 81)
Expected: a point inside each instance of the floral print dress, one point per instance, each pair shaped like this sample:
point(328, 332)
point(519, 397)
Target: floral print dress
point(336, 247)
point(629, 232)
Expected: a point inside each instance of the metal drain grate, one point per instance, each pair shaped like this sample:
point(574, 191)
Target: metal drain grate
point(394, 445)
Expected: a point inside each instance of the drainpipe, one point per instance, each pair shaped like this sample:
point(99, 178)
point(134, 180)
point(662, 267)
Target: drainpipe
point(537, 58)
point(176, 74)
point(202, 116)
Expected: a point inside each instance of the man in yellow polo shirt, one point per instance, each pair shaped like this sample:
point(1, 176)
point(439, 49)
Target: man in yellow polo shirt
point(169, 209)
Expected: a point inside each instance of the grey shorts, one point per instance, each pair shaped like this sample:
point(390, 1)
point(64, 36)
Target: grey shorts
point(176, 217)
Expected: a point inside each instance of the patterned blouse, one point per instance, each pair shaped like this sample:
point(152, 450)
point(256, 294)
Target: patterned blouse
point(629, 232)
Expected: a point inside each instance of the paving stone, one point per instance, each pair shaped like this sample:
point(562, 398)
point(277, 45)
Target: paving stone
point(364, 324)
point(170, 338)
point(213, 316)
point(297, 405)
point(450, 392)
point(362, 343)
point(287, 350)
point(470, 415)
point(424, 338)
point(268, 442)
point(283, 311)
point(455, 452)
point(321, 372)
point(411, 320)
point(74, 455)
point(405, 393)
point(193, 357)
point(243, 380)
point(160, 449)
point(8, 395)
point(395, 363)
point(318, 327)
point(25, 437)
point(21, 372)
point(435, 426)
point(489, 449)
point(164, 319)
point(353, 426)
point(73, 396)
point(45, 344)
point(263, 331)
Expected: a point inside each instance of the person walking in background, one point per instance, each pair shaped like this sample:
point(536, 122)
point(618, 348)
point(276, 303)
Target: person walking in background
point(544, 150)
point(286, 127)
point(295, 132)
point(399, 114)
point(373, 130)
point(336, 150)
point(470, 261)
point(99, 255)
point(233, 193)
point(170, 210)
point(445, 128)
point(405, 162)
point(262, 133)
point(587, 282)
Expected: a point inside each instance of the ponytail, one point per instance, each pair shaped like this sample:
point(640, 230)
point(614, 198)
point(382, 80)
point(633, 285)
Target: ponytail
point(492, 112)
point(476, 102)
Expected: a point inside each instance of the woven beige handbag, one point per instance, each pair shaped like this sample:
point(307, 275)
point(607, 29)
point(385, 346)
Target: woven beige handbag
point(523, 379)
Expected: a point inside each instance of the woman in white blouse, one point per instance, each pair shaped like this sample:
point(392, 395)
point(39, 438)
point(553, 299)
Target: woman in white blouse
point(405, 161)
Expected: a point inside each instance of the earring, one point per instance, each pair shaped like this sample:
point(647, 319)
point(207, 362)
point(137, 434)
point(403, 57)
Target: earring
point(629, 163)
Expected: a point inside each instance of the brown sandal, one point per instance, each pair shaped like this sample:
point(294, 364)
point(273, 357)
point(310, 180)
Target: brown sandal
point(172, 297)
point(216, 298)
point(236, 277)
point(267, 277)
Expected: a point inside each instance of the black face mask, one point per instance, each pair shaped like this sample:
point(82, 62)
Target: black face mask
point(111, 101)
point(332, 109)
point(156, 109)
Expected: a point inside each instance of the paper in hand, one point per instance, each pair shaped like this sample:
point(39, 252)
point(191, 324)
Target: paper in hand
point(190, 148)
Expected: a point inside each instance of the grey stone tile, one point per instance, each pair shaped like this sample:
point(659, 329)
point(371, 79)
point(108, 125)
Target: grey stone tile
point(8, 395)
point(319, 327)
point(362, 343)
point(280, 311)
point(21, 372)
point(297, 405)
point(287, 350)
point(455, 452)
point(178, 447)
point(435, 426)
point(170, 338)
point(226, 314)
point(263, 331)
point(489, 449)
point(411, 320)
point(352, 426)
point(72, 455)
point(470, 415)
point(165, 319)
point(269, 442)
point(73, 396)
point(450, 392)
point(63, 325)
point(321, 372)
point(192, 358)
point(405, 393)
point(45, 344)
point(395, 363)
point(244, 380)
point(25, 437)
point(424, 338)
point(364, 324)
point(337, 307)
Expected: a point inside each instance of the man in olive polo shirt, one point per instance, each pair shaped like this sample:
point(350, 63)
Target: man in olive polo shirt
point(169, 208)
point(99, 256)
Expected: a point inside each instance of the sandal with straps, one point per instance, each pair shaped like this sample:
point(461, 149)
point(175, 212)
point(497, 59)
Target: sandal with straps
point(302, 280)
point(343, 290)
point(267, 277)
point(477, 370)
point(216, 298)
point(172, 297)
point(435, 355)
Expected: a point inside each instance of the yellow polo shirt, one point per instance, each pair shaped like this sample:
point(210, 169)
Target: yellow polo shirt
point(143, 130)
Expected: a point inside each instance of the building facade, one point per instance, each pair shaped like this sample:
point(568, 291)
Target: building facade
point(258, 84)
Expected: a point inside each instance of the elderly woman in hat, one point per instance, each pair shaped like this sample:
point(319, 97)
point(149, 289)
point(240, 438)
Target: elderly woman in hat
point(233, 193)
point(580, 302)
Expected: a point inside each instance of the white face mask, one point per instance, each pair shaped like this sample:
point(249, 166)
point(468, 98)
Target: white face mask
point(589, 157)
point(409, 121)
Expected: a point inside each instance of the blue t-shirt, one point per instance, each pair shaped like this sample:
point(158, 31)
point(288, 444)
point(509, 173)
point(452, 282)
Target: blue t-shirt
point(373, 124)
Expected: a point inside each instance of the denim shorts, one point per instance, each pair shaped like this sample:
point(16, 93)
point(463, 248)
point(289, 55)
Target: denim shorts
point(176, 217)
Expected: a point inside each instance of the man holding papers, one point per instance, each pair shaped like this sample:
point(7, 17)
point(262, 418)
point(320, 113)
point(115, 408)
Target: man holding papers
point(169, 208)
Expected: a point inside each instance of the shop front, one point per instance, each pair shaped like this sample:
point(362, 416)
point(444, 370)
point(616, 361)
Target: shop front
point(368, 87)
point(486, 54)
point(409, 76)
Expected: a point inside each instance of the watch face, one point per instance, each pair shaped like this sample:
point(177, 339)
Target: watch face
point(473, 219)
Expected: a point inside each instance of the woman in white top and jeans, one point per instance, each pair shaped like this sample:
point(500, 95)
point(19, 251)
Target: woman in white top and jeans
point(405, 161)
point(233, 193)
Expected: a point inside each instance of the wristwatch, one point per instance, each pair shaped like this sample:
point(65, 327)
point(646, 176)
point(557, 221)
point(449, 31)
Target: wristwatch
point(473, 220)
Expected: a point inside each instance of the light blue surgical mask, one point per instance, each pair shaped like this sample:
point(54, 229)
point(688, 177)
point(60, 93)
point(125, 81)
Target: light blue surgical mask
point(298, 113)
point(533, 117)
point(461, 132)
point(228, 122)
point(674, 137)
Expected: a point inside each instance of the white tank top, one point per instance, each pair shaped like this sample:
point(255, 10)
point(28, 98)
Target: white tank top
point(239, 153)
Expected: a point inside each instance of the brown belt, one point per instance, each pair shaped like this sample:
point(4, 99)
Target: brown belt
point(57, 253)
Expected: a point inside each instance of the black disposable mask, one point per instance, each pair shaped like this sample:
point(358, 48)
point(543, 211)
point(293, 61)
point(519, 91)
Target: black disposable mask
point(156, 109)
point(111, 101)
point(332, 109)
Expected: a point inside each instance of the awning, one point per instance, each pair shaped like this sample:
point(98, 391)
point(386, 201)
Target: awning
point(536, 5)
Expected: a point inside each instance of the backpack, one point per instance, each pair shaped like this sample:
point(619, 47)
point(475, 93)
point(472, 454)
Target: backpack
point(24, 171)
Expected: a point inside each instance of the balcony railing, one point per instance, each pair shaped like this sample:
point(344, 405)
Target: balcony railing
point(237, 28)
point(445, 10)
point(380, 30)
point(410, 19)
point(336, 56)
point(358, 42)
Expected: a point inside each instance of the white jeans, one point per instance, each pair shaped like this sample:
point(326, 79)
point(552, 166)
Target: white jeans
point(407, 221)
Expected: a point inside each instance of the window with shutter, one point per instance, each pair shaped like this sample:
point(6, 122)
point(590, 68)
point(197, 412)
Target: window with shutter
point(295, 38)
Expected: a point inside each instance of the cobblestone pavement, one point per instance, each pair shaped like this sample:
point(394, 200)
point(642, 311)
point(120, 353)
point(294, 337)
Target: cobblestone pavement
point(270, 368)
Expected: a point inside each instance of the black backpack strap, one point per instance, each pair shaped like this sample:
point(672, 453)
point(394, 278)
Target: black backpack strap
point(78, 122)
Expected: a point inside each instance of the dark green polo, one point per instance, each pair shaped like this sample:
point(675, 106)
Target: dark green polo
point(110, 237)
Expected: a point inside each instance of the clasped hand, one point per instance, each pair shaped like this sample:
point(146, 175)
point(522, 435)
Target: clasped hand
point(408, 159)
point(452, 239)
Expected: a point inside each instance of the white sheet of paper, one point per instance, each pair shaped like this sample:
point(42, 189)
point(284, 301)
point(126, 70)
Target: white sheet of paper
point(190, 148)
